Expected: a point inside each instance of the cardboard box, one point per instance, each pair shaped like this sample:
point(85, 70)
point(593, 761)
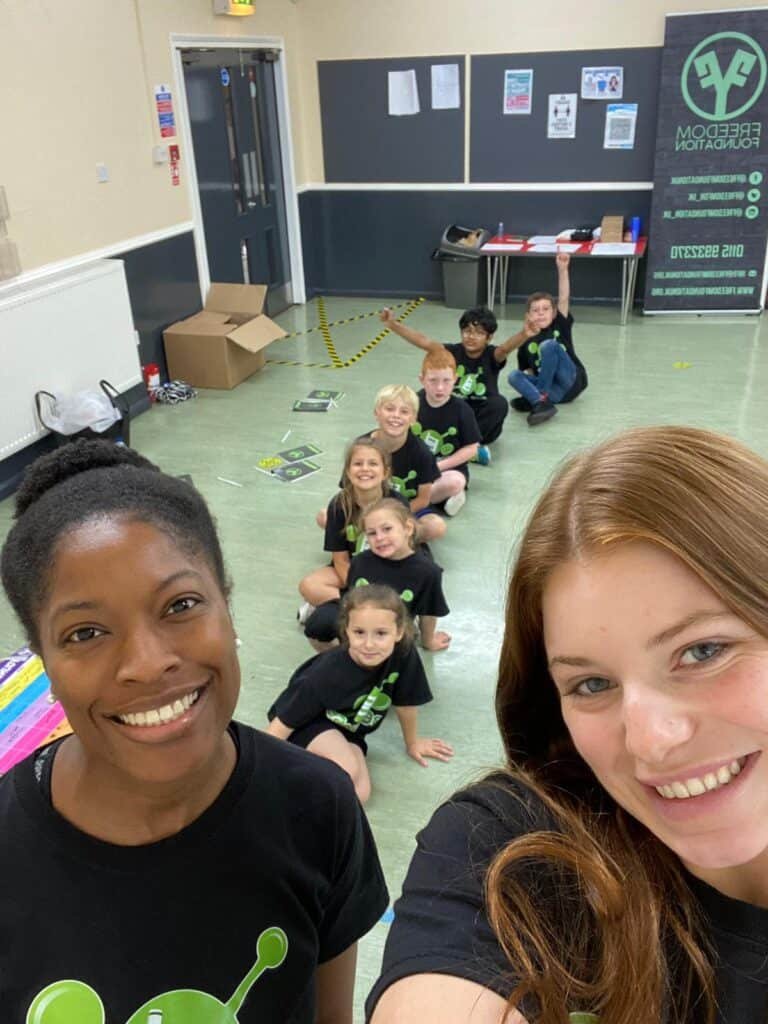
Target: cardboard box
point(612, 229)
point(224, 343)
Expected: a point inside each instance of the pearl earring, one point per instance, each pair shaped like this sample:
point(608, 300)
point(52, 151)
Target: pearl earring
point(238, 642)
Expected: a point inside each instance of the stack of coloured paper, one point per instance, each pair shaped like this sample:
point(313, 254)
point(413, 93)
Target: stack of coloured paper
point(29, 716)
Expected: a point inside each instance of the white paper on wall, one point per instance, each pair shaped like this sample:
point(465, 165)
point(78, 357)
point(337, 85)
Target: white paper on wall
point(403, 93)
point(445, 87)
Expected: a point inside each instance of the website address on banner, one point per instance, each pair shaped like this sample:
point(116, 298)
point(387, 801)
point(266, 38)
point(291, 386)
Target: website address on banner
point(704, 275)
point(721, 290)
point(727, 211)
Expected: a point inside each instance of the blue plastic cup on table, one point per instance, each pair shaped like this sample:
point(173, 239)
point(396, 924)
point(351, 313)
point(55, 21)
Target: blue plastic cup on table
point(634, 228)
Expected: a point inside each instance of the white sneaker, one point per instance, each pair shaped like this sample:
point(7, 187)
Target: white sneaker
point(455, 503)
point(304, 612)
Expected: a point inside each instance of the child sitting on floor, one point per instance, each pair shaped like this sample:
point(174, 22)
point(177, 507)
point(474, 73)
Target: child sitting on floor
point(390, 559)
point(364, 480)
point(549, 372)
point(478, 363)
point(337, 698)
point(414, 469)
point(447, 427)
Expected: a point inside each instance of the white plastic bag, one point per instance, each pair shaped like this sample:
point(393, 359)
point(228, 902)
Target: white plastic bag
point(71, 413)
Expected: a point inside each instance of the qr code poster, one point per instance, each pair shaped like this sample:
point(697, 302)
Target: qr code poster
point(620, 125)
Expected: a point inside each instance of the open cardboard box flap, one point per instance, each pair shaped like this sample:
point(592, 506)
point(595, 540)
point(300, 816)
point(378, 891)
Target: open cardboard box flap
point(202, 323)
point(239, 301)
point(256, 334)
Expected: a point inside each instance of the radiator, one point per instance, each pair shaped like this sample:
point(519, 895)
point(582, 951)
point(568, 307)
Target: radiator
point(62, 333)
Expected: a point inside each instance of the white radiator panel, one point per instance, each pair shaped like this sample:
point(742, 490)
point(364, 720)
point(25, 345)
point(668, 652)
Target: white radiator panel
point(62, 333)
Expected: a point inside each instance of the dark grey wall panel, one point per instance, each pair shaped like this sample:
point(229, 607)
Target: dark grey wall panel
point(163, 287)
point(379, 242)
point(362, 143)
point(515, 147)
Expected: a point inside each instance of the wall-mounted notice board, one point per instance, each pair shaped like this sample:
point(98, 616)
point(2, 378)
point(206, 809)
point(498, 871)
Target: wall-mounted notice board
point(362, 142)
point(512, 148)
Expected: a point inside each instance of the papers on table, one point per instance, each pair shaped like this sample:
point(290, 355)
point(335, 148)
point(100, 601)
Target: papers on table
point(502, 247)
point(613, 249)
point(541, 239)
point(554, 247)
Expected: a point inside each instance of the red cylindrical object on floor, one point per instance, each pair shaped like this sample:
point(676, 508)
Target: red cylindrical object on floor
point(151, 378)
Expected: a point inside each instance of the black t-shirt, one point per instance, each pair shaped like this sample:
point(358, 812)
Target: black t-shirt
point(341, 536)
point(331, 685)
point(416, 578)
point(280, 872)
point(478, 376)
point(446, 428)
point(528, 358)
point(413, 464)
point(441, 925)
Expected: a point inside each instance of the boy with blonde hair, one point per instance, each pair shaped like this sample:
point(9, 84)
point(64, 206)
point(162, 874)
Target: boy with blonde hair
point(448, 428)
point(413, 465)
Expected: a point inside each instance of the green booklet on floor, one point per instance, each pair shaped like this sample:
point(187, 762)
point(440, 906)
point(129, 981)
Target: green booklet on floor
point(295, 471)
point(312, 405)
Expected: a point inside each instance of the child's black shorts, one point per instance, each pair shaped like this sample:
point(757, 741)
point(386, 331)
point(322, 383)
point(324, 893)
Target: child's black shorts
point(303, 737)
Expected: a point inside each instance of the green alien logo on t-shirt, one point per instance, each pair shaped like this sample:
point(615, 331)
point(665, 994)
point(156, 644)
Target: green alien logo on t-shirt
point(369, 708)
point(74, 1002)
point(534, 348)
point(434, 440)
point(400, 484)
point(469, 385)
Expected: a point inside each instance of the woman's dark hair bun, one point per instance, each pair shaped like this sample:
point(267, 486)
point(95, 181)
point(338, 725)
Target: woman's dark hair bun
point(69, 460)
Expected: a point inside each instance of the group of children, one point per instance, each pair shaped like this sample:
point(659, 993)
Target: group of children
point(396, 480)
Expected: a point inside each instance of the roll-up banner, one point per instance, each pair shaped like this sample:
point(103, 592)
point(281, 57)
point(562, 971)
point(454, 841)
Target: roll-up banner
point(709, 217)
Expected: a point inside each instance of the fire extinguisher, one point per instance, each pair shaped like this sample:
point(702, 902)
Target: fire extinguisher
point(151, 378)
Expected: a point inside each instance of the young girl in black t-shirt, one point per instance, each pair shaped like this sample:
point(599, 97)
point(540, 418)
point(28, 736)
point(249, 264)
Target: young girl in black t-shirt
point(364, 480)
point(334, 700)
point(391, 559)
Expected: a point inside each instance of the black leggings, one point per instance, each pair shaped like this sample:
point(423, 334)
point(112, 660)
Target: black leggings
point(490, 416)
point(323, 623)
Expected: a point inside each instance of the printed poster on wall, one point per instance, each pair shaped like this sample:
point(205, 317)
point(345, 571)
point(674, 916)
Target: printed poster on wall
point(561, 120)
point(602, 83)
point(707, 238)
point(165, 116)
point(620, 126)
point(518, 91)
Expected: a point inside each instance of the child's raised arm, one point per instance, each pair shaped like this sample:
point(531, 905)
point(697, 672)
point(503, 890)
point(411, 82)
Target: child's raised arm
point(407, 333)
point(501, 351)
point(416, 747)
point(563, 261)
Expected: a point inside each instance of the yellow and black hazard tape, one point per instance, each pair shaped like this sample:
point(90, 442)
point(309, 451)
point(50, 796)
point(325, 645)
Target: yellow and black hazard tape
point(338, 363)
point(382, 334)
point(340, 323)
point(322, 316)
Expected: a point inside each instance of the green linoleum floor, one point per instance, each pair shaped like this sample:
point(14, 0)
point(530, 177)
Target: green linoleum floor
point(270, 539)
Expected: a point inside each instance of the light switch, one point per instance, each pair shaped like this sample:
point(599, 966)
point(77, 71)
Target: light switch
point(102, 173)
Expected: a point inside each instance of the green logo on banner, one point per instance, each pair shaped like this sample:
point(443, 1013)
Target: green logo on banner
point(733, 90)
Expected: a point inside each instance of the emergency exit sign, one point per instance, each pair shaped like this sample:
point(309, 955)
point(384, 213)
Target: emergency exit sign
point(234, 7)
